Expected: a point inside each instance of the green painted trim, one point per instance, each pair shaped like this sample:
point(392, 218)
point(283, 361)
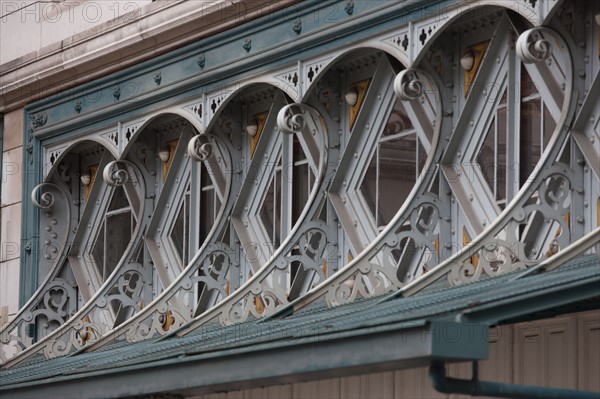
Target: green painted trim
point(28, 279)
point(360, 351)
point(180, 72)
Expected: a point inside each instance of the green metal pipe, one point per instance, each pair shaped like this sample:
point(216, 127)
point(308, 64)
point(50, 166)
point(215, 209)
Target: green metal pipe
point(437, 375)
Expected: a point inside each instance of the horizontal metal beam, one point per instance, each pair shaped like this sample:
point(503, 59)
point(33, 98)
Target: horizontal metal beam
point(360, 351)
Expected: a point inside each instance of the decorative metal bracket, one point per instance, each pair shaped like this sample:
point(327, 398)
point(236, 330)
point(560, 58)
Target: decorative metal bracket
point(114, 176)
point(46, 198)
point(408, 85)
point(533, 45)
point(200, 147)
point(292, 118)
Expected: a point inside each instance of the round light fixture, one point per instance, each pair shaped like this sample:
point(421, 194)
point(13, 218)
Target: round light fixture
point(164, 154)
point(467, 61)
point(252, 128)
point(86, 178)
point(351, 97)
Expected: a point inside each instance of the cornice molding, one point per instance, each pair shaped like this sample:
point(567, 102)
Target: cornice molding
point(159, 27)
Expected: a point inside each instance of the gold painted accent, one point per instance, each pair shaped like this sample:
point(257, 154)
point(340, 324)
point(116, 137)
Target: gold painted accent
point(361, 87)
point(86, 335)
point(567, 217)
point(93, 170)
point(258, 303)
point(166, 320)
point(261, 119)
point(350, 257)
point(466, 241)
point(553, 248)
point(141, 304)
point(167, 165)
point(227, 287)
point(436, 245)
point(478, 50)
point(325, 269)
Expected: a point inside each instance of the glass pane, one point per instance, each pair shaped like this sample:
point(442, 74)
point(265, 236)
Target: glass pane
point(98, 252)
point(277, 226)
point(118, 200)
point(177, 233)
point(207, 211)
point(398, 120)
point(300, 190)
point(207, 204)
point(422, 157)
point(549, 126)
point(504, 97)
point(485, 158)
point(528, 87)
point(397, 175)
point(530, 146)
point(368, 188)
point(267, 215)
point(118, 228)
point(186, 229)
point(501, 156)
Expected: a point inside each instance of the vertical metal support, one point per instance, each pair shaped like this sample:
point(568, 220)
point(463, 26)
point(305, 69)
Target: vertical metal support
point(513, 123)
point(287, 170)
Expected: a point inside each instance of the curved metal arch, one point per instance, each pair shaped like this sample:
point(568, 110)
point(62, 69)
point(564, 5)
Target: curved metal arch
point(264, 79)
point(368, 45)
point(25, 319)
point(148, 119)
point(365, 277)
point(517, 211)
point(461, 9)
point(175, 305)
point(70, 147)
point(241, 86)
point(80, 328)
point(239, 305)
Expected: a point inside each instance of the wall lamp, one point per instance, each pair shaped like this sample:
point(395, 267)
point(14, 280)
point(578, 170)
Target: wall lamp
point(252, 127)
point(86, 178)
point(351, 96)
point(164, 154)
point(467, 61)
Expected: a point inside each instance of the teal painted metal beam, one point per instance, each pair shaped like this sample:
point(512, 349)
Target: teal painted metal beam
point(586, 288)
point(476, 387)
point(360, 351)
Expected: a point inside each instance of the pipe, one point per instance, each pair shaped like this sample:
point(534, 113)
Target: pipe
point(437, 375)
